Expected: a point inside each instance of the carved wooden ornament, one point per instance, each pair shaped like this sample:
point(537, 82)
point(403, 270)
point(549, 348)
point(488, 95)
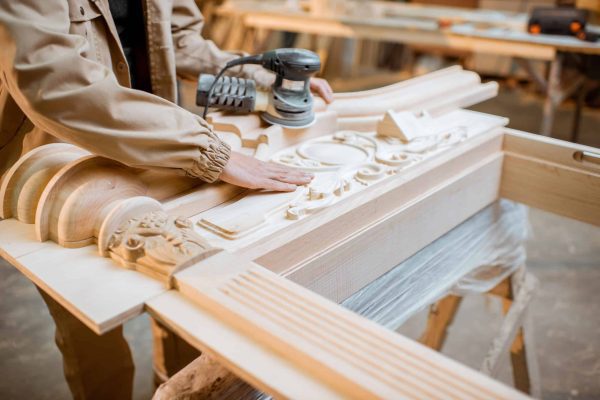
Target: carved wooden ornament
point(158, 245)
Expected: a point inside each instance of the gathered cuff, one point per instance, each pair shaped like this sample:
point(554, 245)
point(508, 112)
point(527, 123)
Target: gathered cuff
point(211, 162)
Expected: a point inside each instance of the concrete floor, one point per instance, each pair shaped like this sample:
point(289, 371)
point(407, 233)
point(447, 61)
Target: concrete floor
point(563, 254)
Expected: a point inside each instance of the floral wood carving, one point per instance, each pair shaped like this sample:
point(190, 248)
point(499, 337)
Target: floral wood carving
point(158, 245)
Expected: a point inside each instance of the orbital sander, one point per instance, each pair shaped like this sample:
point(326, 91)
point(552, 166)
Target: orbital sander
point(287, 103)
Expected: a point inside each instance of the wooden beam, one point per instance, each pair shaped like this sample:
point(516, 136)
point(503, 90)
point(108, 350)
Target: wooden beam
point(92, 288)
point(351, 356)
point(545, 173)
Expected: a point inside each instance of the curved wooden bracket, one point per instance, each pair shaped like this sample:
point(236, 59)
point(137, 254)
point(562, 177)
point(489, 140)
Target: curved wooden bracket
point(77, 194)
point(26, 179)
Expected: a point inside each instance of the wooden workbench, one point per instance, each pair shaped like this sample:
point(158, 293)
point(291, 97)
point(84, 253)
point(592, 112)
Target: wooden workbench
point(297, 252)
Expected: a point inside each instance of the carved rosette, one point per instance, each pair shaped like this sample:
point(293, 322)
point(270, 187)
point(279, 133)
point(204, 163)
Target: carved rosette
point(158, 245)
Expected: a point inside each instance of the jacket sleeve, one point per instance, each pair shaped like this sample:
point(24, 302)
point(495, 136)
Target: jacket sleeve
point(80, 101)
point(195, 55)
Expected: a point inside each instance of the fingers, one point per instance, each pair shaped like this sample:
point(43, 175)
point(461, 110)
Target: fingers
point(295, 179)
point(251, 173)
point(327, 91)
point(322, 87)
point(277, 186)
point(289, 175)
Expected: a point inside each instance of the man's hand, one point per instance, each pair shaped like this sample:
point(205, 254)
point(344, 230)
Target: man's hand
point(248, 172)
point(322, 88)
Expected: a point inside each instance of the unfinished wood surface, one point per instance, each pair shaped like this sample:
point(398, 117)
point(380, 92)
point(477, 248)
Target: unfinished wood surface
point(345, 164)
point(435, 107)
point(415, 96)
point(550, 150)
point(545, 173)
point(163, 185)
point(200, 199)
point(246, 214)
point(282, 345)
point(93, 289)
point(18, 239)
point(20, 190)
point(406, 125)
point(398, 86)
point(170, 353)
point(203, 378)
point(353, 213)
point(440, 317)
point(356, 259)
point(72, 199)
point(157, 244)
point(76, 208)
point(271, 372)
point(354, 357)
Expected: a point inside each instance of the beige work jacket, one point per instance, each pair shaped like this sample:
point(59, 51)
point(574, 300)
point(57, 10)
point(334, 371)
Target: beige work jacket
point(63, 73)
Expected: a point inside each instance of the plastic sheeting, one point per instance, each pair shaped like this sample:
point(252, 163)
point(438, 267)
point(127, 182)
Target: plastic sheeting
point(473, 257)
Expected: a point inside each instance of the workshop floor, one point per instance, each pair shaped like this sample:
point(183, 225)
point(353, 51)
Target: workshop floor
point(563, 254)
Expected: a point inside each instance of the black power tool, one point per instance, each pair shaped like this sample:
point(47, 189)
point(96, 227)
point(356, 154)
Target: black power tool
point(565, 21)
point(288, 103)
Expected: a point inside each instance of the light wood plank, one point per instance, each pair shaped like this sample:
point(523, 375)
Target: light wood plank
point(551, 186)
point(548, 149)
point(270, 372)
point(94, 289)
point(545, 173)
point(353, 356)
point(18, 239)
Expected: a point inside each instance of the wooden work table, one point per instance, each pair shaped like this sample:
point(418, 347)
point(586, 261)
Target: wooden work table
point(301, 251)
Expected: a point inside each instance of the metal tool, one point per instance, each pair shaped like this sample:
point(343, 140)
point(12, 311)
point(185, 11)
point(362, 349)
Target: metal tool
point(288, 103)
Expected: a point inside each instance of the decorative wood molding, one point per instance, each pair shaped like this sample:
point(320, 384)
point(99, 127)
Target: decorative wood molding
point(351, 356)
point(158, 245)
point(344, 163)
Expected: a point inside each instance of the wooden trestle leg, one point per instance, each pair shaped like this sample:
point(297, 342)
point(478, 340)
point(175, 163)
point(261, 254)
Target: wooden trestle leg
point(516, 292)
point(441, 315)
point(171, 353)
point(95, 367)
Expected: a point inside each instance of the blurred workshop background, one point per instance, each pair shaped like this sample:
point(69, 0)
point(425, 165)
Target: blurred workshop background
point(549, 83)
